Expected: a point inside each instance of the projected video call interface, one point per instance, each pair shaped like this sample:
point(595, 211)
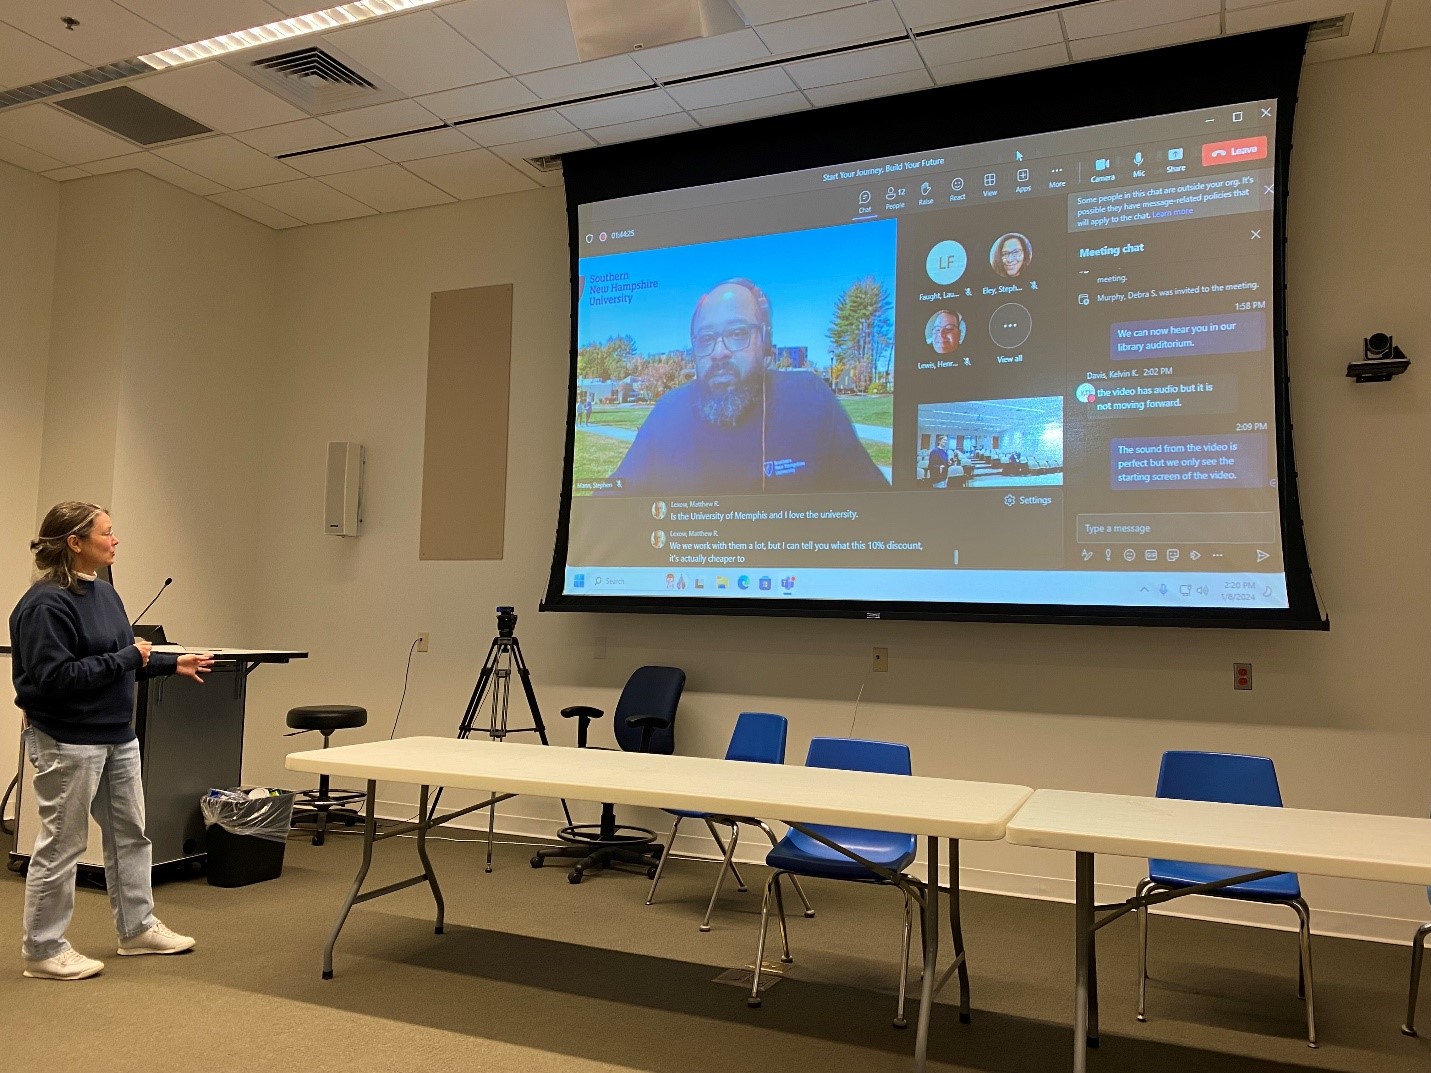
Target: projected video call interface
point(1028, 371)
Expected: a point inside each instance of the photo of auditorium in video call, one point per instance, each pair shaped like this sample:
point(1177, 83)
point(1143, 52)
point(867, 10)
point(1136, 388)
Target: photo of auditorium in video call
point(995, 443)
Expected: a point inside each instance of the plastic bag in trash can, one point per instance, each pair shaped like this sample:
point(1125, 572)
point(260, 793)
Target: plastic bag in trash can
point(266, 814)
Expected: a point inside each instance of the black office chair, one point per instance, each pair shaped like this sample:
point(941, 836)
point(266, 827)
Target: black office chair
point(644, 722)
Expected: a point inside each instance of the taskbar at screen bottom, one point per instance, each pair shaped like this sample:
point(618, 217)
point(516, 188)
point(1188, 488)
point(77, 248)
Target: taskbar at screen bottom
point(1161, 588)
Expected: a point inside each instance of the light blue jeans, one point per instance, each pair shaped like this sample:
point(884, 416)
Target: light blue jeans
point(70, 782)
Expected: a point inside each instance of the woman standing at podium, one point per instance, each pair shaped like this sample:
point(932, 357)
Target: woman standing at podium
point(75, 660)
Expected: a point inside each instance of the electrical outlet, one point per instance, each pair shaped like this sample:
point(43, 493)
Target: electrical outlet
point(881, 659)
point(422, 640)
point(1242, 676)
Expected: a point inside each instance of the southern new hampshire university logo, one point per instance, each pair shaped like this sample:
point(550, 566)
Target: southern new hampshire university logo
point(783, 467)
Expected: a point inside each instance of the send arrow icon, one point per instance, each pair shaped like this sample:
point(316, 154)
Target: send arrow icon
point(1262, 555)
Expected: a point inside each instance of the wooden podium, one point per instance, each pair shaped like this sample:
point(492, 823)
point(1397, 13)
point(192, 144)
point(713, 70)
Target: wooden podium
point(190, 741)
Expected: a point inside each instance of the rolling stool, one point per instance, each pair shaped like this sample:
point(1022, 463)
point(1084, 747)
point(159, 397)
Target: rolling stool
point(324, 803)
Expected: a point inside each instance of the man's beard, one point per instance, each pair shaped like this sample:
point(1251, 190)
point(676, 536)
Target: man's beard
point(725, 407)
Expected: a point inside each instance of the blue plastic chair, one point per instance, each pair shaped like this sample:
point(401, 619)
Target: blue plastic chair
point(797, 854)
point(759, 738)
point(1239, 780)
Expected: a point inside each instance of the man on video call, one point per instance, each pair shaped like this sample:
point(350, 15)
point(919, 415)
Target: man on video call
point(741, 425)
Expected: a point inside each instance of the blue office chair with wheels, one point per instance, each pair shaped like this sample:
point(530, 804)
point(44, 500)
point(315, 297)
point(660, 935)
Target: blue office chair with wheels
point(644, 722)
point(759, 738)
point(1238, 780)
point(797, 854)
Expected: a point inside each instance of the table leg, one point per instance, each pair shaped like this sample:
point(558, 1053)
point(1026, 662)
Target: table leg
point(955, 926)
point(931, 956)
point(1086, 974)
point(427, 869)
point(370, 828)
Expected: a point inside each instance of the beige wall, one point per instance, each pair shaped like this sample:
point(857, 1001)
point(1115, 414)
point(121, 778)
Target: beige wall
point(232, 355)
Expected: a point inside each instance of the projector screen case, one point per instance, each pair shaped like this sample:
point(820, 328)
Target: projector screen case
point(1012, 436)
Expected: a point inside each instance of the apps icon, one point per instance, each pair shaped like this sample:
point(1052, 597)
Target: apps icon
point(1023, 175)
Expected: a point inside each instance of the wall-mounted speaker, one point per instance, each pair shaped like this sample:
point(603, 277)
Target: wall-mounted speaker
point(343, 498)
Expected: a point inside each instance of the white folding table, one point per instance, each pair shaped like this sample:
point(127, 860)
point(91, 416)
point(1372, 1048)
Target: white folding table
point(1264, 840)
point(933, 808)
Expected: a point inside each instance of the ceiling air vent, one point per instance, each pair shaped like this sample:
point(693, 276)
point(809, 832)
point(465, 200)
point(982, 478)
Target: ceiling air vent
point(1327, 29)
point(316, 80)
point(130, 114)
point(544, 163)
point(53, 87)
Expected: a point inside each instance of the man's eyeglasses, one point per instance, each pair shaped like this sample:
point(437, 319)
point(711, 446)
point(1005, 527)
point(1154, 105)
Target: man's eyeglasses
point(736, 338)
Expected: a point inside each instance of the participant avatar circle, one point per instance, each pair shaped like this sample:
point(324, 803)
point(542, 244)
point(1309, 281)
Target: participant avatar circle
point(1010, 326)
point(658, 509)
point(1085, 393)
point(945, 331)
point(658, 538)
point(946, 262)
point(1011, 255)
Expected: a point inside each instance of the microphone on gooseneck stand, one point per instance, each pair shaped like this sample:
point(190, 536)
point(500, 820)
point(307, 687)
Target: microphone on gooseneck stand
point(167, 582)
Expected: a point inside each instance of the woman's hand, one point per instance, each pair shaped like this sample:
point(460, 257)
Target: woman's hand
point(195, 666)
point(144, 649)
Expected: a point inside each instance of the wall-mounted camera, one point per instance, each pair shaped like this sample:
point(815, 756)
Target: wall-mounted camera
point(1381, 360)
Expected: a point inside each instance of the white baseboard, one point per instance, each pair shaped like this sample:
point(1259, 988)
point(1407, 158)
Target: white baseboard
point(1344, 925)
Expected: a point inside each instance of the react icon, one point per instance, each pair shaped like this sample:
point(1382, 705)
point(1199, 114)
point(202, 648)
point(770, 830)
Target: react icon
point(946, 262)
point(956, 184)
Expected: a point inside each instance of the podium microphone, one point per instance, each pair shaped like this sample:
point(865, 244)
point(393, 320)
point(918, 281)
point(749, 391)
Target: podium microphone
point(167, 582)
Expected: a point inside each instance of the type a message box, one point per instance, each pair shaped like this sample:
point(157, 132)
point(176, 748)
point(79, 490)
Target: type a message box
point(1191, 527)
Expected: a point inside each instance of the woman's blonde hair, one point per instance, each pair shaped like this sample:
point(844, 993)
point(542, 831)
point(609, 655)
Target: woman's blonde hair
point(54, 560)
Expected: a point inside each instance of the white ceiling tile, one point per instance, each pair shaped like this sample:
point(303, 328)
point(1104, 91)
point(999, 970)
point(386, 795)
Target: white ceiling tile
point(329, 162)
point(381, 119)
point(158, 167)
point(1175, 33)
point(845, 26)
point(1365, 23)
point(310, 201)
point(291, 137)
point(106, 32)
point(702, 54)
point(60, 135)
point(25, 59)
point(22, 156)
point(580, 79)
point(554, 146)
point(762, 11)
point(476, 173)
point(63, 175)
point(853, 66)
point(1008, 63)
point(746, 86)
point(255, 210)
point(488, 98)
point(740, 111)
point(869, 88)
point(517, 128)
point(1016, 35)
point(921, 14)
point(418, 146)
point(624, 109)
point(195, 20)
point(527, 36)
point(417, 53)
point(218, 97)
point(228, 162)
point(1115, 16)
point(1408, 25)
point(643, 128)
point(390, 188)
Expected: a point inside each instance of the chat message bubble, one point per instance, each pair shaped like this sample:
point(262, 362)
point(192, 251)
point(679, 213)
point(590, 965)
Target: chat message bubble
point(1215, 394)
point(1188, 462)
point(1187, 337)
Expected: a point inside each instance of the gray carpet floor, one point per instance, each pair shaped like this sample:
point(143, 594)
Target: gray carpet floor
point(535, 974)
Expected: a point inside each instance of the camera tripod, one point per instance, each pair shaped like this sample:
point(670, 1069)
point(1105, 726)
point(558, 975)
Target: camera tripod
point(494, 686)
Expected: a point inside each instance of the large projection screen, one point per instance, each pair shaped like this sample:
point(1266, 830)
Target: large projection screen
point(1011, 350)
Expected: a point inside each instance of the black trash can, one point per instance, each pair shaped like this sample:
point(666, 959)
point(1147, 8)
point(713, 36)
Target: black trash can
point(245, 837)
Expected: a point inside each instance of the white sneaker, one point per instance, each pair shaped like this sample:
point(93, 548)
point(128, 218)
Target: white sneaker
point(157, 940)
point(70, 965)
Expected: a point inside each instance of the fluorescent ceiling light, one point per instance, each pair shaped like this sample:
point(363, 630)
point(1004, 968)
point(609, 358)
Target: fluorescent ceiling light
point(333, 18)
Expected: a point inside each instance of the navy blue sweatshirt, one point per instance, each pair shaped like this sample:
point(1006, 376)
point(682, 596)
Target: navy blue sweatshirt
point(75, 664)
